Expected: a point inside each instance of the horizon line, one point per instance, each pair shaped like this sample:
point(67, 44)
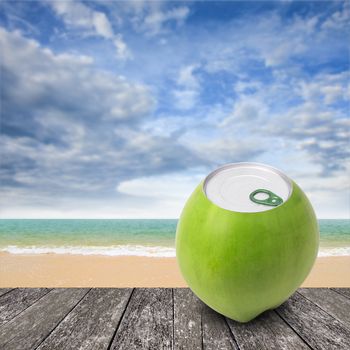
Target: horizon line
point(111, 218)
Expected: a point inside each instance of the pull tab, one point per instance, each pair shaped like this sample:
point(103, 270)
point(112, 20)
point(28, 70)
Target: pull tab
point(272, 200)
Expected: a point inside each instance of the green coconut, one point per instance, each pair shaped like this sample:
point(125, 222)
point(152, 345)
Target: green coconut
point(242, 264)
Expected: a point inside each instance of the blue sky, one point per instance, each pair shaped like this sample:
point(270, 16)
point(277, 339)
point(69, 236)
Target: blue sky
point(119, 109)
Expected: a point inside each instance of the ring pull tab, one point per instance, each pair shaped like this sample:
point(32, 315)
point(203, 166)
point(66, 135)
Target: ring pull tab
point(272, 200)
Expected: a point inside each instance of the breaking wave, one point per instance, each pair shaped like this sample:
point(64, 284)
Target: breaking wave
point(120, 250)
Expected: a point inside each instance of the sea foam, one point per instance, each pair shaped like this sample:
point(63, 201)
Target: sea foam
point(120, 250)
point(339, 251)
point(130, 250)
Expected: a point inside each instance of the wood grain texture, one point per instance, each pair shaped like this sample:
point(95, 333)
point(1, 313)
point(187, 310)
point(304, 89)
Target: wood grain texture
point(337, 305)
point(187, 320)
point(157, 318)
point(147, 322)
point(266, 332)
point(5, 290)
point(29, 328)
point(216, 332)
point(315, 326)
point(12, 304)
point(92, 323)
point(343, 291)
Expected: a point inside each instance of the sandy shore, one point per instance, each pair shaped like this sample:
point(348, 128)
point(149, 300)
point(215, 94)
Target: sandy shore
point(52, 270)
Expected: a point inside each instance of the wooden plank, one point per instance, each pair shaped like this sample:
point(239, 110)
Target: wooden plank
point(215, 331)
point(187, 320)
point(266, 332)
point(12, 304)
point(343, 291)
point(29, 328)
point(147, 322)
point(337, 305)
point(315, 326)
point(92, 323)
point(5, 290)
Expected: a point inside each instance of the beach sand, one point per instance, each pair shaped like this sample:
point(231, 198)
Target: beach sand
point(51, 270)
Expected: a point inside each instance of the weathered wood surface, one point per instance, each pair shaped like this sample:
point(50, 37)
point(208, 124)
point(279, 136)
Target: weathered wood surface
point(163, 318)
point(16, 301)
point(335, 304)
point(147, 322)
point(266, 332)
point(343, 291)
point(319, 329)
point(92, 323)
point(215, 331)
point(36, 322)
point(5, 290)
point(187, 320)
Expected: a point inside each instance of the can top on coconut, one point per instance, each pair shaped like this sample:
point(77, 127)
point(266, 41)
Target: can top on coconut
point(247, 187)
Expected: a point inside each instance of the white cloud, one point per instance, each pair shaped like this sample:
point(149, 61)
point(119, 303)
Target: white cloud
point(165, 194)
point(79, 140)
point(186, 76)
point(276, 41)
point(102, 25)
point(77, 15)
point(122, 51)
point(329, 196)
point(186, 96)
point(64, 111)
point(172, 186)
point(93, 92)
point(221, 148)
point(151, 18)
point(247, 109)
point(267, 39)
point(155, 20)
point(326, 88)
point(339, 19)
point(306, 115)
point(74, 13)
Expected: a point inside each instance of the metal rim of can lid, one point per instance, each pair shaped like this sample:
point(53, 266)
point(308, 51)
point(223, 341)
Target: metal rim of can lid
point(282, 187)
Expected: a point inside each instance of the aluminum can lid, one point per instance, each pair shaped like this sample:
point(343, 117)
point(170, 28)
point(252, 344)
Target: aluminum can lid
point(235, 187)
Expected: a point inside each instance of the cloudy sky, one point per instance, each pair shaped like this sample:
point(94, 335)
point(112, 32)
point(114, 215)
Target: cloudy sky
point(118, 109)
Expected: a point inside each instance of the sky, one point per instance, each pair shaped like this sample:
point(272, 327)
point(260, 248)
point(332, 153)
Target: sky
point(118, 109)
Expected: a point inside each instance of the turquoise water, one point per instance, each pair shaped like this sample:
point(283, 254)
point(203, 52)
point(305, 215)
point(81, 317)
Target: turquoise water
point(334, 237)
point(125, 237)
point(334, 233)
point(88, 237)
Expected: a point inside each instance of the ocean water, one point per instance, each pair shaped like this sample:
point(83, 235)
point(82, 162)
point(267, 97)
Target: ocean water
point(334, 237)
point(153, 238)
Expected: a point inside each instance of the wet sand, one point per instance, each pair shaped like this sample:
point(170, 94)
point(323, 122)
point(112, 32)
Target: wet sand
point(52, 270)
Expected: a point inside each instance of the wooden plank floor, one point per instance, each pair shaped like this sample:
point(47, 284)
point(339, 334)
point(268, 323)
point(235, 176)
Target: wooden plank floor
point(163, 318)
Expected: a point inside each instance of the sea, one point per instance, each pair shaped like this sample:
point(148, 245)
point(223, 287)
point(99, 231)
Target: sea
point(124, 237)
